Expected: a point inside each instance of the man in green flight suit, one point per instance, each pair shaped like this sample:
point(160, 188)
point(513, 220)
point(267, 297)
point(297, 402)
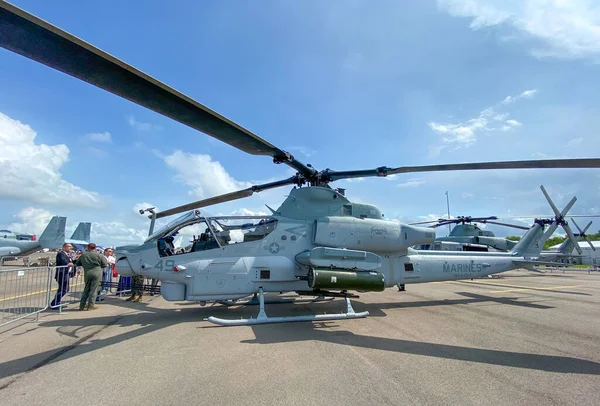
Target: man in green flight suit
point(92, 263)
point(137, 288)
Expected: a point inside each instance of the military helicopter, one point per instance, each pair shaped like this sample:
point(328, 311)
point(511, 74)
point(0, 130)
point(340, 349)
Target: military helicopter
point(470, 236)
point(316, 243)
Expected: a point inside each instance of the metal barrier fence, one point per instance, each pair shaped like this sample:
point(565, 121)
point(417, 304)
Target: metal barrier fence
point(24, 293)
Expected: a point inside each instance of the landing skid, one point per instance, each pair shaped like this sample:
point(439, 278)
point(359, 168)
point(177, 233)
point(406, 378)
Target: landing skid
point(264, 319)
point(254, 301)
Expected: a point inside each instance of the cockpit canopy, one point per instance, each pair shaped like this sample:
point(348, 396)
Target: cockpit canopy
point(201, 233)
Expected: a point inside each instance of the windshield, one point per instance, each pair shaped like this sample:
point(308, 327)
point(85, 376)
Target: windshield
point(191, 233)
point(190, 217)
point(233, 230)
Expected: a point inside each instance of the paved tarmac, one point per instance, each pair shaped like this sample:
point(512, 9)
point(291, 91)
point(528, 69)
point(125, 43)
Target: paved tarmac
point(523, 339)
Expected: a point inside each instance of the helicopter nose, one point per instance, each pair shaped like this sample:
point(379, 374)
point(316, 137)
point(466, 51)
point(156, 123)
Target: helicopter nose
point(124, 267)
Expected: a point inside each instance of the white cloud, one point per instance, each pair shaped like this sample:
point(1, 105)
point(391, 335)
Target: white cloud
point(466, 195)
point(98, 152)
point(307, 152)
point(99, 137)
point(574, 142)
point(31, 172)
point(352, 180)
point(32, 221)
point(206, 177)
point(527, 94)
point(464, 134)
point(411, 183)
point(247, 212)
point(435, 151)
point(115, 233)
point(142, 126)
point(566, 29)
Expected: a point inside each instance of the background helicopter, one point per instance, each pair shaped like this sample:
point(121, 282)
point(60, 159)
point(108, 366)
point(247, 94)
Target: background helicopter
point(470, 236)
point(317, 242)
point(467, 236)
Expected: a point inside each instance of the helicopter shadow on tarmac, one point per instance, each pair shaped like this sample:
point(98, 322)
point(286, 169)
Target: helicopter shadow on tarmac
point(152, 319)
point(277, 334)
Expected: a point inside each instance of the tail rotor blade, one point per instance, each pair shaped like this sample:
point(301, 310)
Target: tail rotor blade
point(583, 235)
point(586, 227)
point(581, 232)
point(567, 229)
point(550, 202)
point(550, 230)
point(568, 207)
point(590, 243)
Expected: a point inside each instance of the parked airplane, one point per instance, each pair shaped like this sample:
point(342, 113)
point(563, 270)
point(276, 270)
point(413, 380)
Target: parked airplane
point(81, 235)
point(53, 237)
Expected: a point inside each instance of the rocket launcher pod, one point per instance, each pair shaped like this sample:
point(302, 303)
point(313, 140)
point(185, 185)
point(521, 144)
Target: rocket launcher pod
point(346, 280)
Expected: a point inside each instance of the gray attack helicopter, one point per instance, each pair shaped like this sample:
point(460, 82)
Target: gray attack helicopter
point(317, 243)
point(469, 236)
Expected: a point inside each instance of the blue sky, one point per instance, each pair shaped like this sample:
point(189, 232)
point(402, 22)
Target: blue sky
point(340, 84)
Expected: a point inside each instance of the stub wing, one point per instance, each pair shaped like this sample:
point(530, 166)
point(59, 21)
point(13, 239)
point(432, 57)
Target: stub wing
point(530, 263)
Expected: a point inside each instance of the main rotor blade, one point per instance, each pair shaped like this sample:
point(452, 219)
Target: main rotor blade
point(508, 225)
point(549, 215)
point(227, 197)
point(533, 164)
point(40, 41)
point(423, 222)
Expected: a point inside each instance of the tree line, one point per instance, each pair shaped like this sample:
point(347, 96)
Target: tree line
point(556, 240)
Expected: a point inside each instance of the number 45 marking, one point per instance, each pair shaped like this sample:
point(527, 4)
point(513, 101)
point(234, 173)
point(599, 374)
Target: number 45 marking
point(169, 264)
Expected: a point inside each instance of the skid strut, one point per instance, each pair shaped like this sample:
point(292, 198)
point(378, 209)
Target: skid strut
point(254, 301)
point(262, 317)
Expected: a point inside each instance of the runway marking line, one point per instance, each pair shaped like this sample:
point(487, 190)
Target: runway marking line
point(521, 288)
point(35, 293)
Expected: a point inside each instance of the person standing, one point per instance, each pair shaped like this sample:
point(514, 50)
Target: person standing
point(92, 263)
point(137, 288)
point(64, 266)
point(107, 273)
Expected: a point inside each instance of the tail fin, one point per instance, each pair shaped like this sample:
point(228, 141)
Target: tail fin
point(531, 244)
point(82, 232)
point(566, 248)
point(54, 234)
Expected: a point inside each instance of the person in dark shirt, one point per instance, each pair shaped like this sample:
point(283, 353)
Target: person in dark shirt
point(64, 271)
